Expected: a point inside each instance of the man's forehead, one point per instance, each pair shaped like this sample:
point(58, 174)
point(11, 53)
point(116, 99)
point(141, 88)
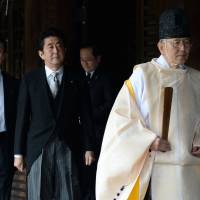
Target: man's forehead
point(52, 39)
point(179, 38)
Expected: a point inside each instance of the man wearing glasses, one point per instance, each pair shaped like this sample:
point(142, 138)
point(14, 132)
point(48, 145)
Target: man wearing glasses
point(133, 150)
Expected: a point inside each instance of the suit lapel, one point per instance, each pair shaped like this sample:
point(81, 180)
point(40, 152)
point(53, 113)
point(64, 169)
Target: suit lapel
point(67, 93)
point(62, 94)
point(66, 88)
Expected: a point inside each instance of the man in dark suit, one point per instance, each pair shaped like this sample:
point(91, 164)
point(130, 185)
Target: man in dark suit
point(8, 99)
point(53, 125)
point(102, 95)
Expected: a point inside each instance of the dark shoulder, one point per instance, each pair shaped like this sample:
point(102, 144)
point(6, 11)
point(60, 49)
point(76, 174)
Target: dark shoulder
point(10, 79)
point(11, 83)
point(8, 76)
point(34, 73)
point(104, 75)
point(73, 75)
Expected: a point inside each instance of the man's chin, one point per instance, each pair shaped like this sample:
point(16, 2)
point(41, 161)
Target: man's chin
point(57, 62)
point(181, 62)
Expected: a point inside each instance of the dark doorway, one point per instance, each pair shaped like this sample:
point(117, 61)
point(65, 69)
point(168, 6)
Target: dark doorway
point(111, 25)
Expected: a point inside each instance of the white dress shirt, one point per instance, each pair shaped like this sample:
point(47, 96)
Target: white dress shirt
point(50, 71)
point(2, 109)
point(91, 73)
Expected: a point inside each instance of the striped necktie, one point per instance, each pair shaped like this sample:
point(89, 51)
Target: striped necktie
point(54, 83)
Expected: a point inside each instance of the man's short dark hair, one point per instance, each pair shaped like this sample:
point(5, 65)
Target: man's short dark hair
point(50, 32)
point(95, 50)
point(3, 44)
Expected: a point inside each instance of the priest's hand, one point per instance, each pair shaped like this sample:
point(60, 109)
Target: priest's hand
point(160, 145)
point(89, 158)
point(19, 163)
point(196, 151)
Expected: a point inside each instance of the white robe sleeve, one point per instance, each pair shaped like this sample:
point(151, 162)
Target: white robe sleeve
point(124, 149)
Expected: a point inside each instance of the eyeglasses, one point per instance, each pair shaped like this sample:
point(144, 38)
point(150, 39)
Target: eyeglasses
point(178, 43)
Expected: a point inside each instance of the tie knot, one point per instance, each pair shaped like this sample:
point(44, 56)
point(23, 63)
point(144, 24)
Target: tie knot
point(88, 75)
point(54, 76)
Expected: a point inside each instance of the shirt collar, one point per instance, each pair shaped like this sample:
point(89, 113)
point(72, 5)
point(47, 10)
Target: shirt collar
point(91, 73)
point(50, 71)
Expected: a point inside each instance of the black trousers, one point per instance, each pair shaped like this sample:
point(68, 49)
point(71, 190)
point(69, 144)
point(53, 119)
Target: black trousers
point(6, 166)
point(88, 179)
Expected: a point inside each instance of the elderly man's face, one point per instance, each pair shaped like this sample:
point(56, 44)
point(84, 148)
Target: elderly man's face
point(175, 50)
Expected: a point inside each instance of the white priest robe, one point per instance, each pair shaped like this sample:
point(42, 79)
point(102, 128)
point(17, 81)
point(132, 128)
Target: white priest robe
point(135, 121)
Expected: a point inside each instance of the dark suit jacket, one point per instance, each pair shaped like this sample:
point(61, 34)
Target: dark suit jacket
point(37, 123)
point(11, 86)
point(102, 94)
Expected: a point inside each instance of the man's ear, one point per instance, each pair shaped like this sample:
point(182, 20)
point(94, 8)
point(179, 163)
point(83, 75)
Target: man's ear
point(40, 53)
point(161, 46)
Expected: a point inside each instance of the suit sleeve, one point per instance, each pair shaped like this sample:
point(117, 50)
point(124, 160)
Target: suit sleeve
point(23, 117)
point(102, 111)
point(86, 119)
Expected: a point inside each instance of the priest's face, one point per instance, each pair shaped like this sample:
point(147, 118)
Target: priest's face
point(53, 52)
point(175, 50)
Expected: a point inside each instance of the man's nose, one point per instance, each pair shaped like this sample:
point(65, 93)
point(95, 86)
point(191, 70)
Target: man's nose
point(55, 49)
point(182, 46)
